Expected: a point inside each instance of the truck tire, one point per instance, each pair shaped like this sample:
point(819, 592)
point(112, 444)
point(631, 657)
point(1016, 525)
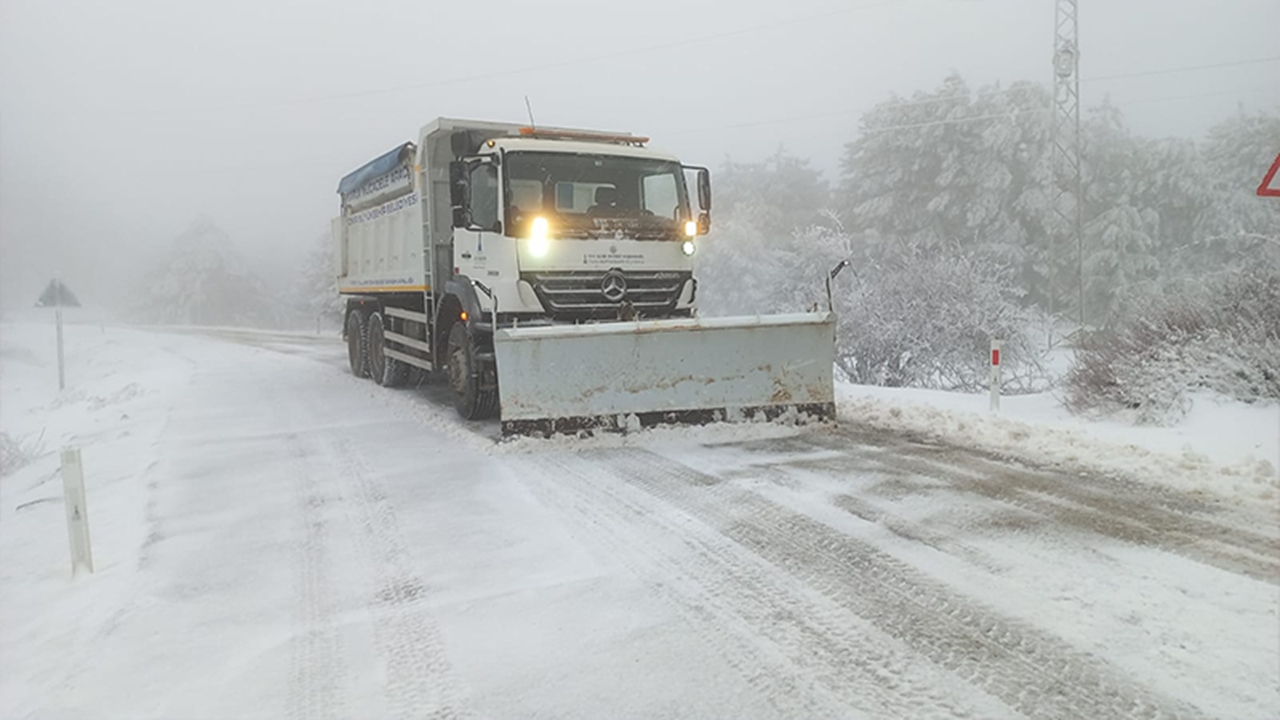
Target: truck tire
point(358, 343)
point(386, 371)
point(472, 402)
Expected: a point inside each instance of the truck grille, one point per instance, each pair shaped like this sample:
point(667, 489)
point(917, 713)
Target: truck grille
point(581, 293)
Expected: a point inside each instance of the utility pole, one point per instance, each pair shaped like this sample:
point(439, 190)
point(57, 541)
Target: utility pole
point(1068, 198)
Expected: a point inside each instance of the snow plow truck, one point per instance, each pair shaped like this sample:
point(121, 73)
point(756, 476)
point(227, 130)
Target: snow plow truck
point(547, 275)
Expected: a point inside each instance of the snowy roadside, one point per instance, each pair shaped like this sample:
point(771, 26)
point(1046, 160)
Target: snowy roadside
point(120, 388)
point(1221, 448)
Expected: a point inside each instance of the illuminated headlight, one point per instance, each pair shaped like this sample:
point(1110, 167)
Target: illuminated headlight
point(687, 247)
point(691, 229)
point(539, 243)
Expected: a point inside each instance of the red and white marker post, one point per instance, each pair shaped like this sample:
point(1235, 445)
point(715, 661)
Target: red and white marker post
point(995, 375)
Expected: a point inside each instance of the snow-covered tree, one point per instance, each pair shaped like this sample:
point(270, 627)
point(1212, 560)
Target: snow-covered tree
point(1120, 227)
point(785, 192)
point(742, 265)
point(1238, 227)
point(317, 291)
point(204, 281)
point(957, 168)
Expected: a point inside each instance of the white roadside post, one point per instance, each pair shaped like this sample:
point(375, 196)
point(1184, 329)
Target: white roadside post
point(77, 510)
point(995, 375)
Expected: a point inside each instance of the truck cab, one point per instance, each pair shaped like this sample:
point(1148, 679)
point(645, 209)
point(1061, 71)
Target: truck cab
point(571, 227)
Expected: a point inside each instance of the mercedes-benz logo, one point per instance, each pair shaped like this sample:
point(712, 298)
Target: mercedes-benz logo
point(614, 287)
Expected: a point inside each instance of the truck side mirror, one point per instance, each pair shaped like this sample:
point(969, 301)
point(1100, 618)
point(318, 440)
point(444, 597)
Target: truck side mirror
point(704, 192)
point(459, 192)
point(704, 223)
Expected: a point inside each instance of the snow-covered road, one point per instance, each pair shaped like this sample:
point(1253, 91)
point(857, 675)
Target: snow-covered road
point(274, 538)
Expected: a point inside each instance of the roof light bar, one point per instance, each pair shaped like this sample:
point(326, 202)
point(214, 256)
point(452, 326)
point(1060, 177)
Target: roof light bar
point(581, 135)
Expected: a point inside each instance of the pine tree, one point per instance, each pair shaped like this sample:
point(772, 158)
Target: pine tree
point(955, 168)
point(1119, 231)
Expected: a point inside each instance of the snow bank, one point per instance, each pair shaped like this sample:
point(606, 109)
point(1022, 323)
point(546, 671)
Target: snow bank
point(1222, 447)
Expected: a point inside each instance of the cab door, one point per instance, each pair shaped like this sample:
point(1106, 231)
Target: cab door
point(477, 218)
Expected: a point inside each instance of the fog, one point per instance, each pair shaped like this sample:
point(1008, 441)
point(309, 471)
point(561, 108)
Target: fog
point(121, 122)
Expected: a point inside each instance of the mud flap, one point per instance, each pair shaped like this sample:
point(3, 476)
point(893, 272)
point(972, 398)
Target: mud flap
point(566, 377)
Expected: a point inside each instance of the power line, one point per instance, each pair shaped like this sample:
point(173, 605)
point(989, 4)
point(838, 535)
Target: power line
point(534, 68)
point(1256, 90)
point(990, 93)
point(954, 121)
point(950, 121)
point(846, 113)
point(1185, 68)
point(963, 120)
point(997, 116)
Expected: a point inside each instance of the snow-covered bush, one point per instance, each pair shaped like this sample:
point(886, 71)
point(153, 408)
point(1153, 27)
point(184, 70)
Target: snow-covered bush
point(1220, 335)
point(908, 316)
point(17, 452)
point(926, 319)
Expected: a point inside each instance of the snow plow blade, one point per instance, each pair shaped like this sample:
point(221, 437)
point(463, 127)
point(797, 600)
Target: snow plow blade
point(565, 378)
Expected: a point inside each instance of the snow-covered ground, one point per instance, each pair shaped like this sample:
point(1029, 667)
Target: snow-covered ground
point(273, 537)
point(1222, 447)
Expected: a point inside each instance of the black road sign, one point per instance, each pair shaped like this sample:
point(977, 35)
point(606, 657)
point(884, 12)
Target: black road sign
point(56, 295)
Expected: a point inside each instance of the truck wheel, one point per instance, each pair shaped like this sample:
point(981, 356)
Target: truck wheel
point(358, 344)
point(472, 402)
point(386, 371)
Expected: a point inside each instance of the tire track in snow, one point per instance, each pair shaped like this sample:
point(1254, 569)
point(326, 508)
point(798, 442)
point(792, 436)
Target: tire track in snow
point(802, 652)
point(1121, 510)
point(1117, 495)
point(916, 533)
point(1037, 674)
point(419, 677)
point(783, 474)
point(317, 665)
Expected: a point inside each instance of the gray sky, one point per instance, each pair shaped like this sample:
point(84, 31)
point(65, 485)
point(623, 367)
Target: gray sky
point(120, 121)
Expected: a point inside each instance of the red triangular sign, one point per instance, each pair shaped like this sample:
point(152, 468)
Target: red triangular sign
point(1266, 189)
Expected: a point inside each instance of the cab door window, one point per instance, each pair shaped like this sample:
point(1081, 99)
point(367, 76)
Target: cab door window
point(484, 196)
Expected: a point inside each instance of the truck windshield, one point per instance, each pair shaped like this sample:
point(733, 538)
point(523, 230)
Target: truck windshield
point(596, 195)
